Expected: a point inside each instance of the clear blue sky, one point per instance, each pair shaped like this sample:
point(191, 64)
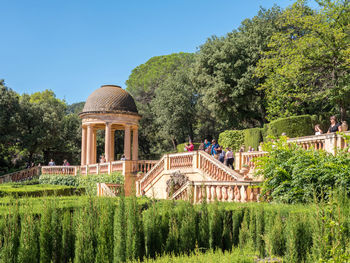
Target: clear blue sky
point(74, 46)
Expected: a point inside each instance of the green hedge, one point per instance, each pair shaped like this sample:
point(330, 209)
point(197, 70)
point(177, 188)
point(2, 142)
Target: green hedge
point(295, 126)
point(231, 138)
point(252, 137)
point(37, 190)
point(181, 147)
point(85, 181)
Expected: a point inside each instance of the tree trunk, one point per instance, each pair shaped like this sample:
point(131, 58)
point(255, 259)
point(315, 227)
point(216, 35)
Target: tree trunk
point(342, 113)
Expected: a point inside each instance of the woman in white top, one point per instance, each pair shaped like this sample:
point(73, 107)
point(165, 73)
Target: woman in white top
point(318, 130)
point(229, 157)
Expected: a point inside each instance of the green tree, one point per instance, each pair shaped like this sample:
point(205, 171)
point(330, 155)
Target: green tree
point(224, 72)
point(307, 66)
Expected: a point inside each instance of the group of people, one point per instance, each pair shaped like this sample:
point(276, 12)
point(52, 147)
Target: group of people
point(334, 127)
point(223, 155)
point(65, 163)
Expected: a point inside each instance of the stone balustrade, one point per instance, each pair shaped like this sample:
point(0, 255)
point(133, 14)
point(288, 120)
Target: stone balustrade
point(181, 160)
point(221, 191)
point(22, 175)
point(111, 190)
point(71, 170)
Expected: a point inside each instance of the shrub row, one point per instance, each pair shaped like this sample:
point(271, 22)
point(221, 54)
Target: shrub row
point(101, 231)
point(36, 190)
point(295, 126)
point(88, 182)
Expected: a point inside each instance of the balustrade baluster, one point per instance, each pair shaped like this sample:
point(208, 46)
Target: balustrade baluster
point(219, 195)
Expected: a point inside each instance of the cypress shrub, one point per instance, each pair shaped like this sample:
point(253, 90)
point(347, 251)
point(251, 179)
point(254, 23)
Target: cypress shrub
point(244, 232)
point(252, 137)
point(299, 238)
point(133, 235)
point(231, 138)
point(45, 238)
point(11, 235)
point(252, 227)
point(237, 218)
point(104, 249)
point(152, 232)
point(260, 231)
point(68, 238)
point(188, 228)
point(275, 238)
point(28, 251)
point(215, 226)
point(56, 228)
point(85, 237)
point(203, 225)
point(172, 243)
point(120, 232)
point(227, 230)
point(295, 126)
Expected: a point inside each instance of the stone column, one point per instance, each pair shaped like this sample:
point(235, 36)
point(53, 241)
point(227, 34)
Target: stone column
point(135, 145)
point(127, 143)
point(83, 145)
point(112, 145)
point(94, 146)
point(108, 142)
point(89, 144)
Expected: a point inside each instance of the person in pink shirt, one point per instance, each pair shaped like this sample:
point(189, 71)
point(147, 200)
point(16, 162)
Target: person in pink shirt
point(189, 147)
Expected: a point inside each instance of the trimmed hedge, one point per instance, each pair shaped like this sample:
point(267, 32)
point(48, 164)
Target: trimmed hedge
point(85, 181)
point(181, 147)
point(37, 190)
point(252, 137)
point(231, 138)
point(295, 126)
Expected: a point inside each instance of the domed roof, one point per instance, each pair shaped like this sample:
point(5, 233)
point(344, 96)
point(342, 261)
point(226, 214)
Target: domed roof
point(110, 99)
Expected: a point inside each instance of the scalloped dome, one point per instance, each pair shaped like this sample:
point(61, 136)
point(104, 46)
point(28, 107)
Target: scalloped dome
point(110, 99)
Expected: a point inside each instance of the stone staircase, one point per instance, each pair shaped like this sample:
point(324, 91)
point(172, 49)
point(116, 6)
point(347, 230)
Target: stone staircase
point(22, 175)
point(206, 177)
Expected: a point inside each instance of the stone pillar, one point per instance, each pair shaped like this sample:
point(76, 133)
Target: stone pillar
point(89, 144)
point(127, 143)
point(83, 145)
point(112, 145)
point(108, 133)
point(135, 145)
point(94, 145)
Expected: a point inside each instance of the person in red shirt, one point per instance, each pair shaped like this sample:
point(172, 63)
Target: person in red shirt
point(189, 147)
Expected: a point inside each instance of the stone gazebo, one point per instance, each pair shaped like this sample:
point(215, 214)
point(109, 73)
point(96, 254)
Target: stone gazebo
point(109, 108)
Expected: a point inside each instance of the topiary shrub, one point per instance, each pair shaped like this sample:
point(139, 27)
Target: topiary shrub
point(252, 137)
point(295, 126)
point(231, 138)
point(181, 147)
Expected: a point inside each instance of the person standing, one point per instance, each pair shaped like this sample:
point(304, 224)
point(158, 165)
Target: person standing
point(229, 157)
point(52, 163)
point(206, 144)
point(222, 155)
point(214, 148)
point(335, 126)
point(189, 147)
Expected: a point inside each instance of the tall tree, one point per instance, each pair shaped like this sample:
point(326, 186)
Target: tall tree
point(224, 71)
point(307, 67)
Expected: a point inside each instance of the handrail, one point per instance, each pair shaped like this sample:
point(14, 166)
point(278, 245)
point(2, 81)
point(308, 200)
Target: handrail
point(111, 190)
point(21, 175)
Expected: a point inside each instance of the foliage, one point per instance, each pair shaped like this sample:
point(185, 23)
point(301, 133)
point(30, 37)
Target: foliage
point(252, 137)
point(87, 182)
point(293, 174)
point(15, 190)
point(306, 67)
point(231, 138)
point(224, 71)
point(295, 126)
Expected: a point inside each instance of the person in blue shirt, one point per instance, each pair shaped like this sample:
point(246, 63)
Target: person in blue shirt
point(206, 144)
point(214, 147)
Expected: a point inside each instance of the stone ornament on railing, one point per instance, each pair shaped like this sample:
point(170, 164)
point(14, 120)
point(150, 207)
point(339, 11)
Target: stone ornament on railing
point(176, 181)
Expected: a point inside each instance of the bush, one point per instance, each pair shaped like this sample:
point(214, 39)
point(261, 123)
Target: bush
point(231, 138)
point(181, 147)
point(252, 137)
point(59, 179)
point(16, 190)
point(295, 126)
